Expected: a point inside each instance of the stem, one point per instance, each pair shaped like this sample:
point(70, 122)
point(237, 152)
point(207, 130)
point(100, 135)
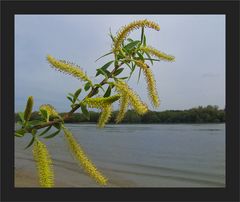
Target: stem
point(90, 94)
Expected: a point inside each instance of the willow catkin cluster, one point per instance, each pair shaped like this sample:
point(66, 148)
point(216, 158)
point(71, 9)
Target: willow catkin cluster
point(80, 155)
point(68, 68)
point(134, 100)
point(105, 115)
point(44, 164)
point(124, 102)
point(50, 109)
point(123, 33)
point(100, 102)
point(152, 91)
point(105, 104)
point(28, 109)
point(154, 52)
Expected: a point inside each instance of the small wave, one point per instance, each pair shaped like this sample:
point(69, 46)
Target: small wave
point(181, 178)
point(210, 129)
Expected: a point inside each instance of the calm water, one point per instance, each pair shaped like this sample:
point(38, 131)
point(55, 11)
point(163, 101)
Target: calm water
point(174, 155)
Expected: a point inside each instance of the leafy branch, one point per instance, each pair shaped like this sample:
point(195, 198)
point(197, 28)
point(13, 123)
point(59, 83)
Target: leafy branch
point(128, 54)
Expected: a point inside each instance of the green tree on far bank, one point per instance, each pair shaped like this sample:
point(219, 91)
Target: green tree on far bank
point(208, 114)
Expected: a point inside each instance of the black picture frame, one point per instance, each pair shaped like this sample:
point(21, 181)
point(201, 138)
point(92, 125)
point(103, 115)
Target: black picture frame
point(228, 8)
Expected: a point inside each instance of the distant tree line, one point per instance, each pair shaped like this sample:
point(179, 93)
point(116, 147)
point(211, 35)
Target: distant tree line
point(209, 114)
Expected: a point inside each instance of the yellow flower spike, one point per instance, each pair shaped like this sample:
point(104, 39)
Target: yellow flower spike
point(100, 102)
point(44, 164)
point(105, 115)
point(123, 33)
point(154, 52)
point(152, 91)
point(124, 102)
point(80, 155)
point(28, 109)
point(68, 68)
point(140, 107)
point(50, 109)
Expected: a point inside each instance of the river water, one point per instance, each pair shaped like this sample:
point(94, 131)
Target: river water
point(134, 155)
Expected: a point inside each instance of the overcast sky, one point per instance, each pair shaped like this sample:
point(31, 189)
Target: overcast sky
point(197, 77)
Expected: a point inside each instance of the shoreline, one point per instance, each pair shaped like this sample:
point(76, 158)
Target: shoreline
point(133, 156)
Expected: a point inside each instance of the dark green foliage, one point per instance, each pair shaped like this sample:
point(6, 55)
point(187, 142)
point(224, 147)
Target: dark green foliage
point(209, 114)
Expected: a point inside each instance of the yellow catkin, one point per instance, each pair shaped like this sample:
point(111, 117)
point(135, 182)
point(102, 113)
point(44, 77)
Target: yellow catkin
point(80, 155)
point(28, 109)
point(105, 115)
point(44, 164)
point(68, 68)
point(152, 91)
point(50, 109)
point(154, 52)
point(124, 102)
point(100, 102)
point(125, 30)
point(140, 107)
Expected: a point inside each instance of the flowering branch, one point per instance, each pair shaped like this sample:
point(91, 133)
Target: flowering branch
point(128, 53)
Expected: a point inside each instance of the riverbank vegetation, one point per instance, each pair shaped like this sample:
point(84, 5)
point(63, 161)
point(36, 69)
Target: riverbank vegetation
point(208, 114)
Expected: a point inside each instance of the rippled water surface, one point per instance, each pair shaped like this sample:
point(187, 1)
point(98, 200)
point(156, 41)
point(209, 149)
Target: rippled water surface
point(173, 155)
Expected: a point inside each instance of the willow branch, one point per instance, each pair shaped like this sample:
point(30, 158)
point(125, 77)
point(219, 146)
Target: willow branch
point(90, 94)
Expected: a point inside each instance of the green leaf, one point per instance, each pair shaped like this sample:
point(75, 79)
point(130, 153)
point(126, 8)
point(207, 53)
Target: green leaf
point(45, 131)
point(28, 109)
point(126, 63)
point(99, 86)
point(131, 45)
point(120, 56)
point(85, 111)
point(35, 122)
point(110, 34)
point(104, 68)
point(130, 40)
point(44, 114)
point(112, 37)
point(18, 134)
point(132, 70)
point(31, 142)
point(152, 59)
point(123, 77)
point(87, 86)
point(71, 100)
point(20, 123)
point(140, 56)
point(144, 40)
point(133, 66)
point(108, 92)
point(119, 71)
point(142, 35)
point(76, 94)
point(58, 125)
point(21, 131)
point(107, 65)
point(139, 74)
point(104, 56)
point(149, 57)
point(71, 95)
point(21, 116)
point(103, 72)
point(53, 134)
